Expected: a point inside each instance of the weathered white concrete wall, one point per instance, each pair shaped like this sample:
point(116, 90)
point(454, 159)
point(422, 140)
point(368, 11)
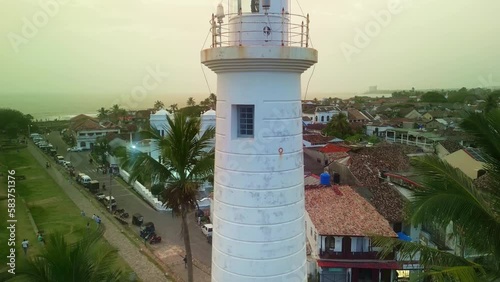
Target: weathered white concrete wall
point(259, 192)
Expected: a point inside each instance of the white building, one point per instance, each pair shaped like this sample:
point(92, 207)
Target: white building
point(87, 130)
point(258, 213)
point(323, 114)
point(207, 120)
point(159, 121)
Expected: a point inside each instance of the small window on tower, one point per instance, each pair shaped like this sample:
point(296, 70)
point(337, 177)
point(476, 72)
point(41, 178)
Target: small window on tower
point(245, 120)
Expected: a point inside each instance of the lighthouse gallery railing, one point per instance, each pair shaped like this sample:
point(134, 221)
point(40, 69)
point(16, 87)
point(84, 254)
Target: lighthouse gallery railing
point(294, 30)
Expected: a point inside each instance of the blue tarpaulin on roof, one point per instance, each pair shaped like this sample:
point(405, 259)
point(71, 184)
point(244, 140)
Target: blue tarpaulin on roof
point(404, 237)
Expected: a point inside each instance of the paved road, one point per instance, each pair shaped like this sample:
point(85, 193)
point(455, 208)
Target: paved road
point(140, 264)
point(168, 227)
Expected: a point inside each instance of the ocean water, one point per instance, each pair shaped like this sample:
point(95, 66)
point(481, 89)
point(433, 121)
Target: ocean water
point(63, 107)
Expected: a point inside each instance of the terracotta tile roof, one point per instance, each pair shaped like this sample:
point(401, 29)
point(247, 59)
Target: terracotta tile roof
point(338, 210)
point(316, 139)
point(336, 156)
point(311, 179)
point(365, 165)
point(87, 125)
point(323, 109)
point(81, 117)
point(451, 146)
point(353, 114)
point(316, 126)
point(330, 148)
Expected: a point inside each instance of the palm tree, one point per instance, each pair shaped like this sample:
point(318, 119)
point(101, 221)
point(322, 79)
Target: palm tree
point(187, 160)
point(174, 108)
point(117, 112)
point(338, 126)
point(102, 113)
point(490, 103)
point(85, 260)
point(213, 100)
point(448, 195)
point(158, 105)
point(190, 102)
point(205, 103)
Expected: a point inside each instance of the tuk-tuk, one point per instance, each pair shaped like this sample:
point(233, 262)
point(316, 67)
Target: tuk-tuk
point(137, 219)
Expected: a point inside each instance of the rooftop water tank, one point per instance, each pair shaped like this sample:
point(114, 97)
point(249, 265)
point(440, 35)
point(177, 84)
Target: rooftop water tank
point(324, 178)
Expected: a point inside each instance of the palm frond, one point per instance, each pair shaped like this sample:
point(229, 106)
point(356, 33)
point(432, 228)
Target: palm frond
point(438, 264)
point(84, 260)
point(486, 129)
point(449, 196)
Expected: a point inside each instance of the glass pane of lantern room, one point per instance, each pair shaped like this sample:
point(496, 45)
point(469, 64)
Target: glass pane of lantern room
point(255, 6)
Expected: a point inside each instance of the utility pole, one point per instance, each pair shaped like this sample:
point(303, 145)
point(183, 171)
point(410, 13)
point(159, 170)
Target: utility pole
point(110, 189)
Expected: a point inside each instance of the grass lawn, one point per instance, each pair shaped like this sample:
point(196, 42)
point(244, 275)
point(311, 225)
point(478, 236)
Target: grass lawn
point(50, 207)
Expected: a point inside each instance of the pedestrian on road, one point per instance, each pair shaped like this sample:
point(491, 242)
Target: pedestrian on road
point(25, 245)
point(199, 220)
point(40, 239)
point(93, 216)
point(82, 213)
point(185, 261)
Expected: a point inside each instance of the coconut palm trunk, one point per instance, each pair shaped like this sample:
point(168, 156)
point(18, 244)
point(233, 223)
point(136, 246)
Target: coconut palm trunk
point(187, 243)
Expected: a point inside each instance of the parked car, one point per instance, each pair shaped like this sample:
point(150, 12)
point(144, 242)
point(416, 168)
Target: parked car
point(60, 159)
point(85, 180)
point(106, 201)
point(100, 196)
point(74, 149)
point(207, 229)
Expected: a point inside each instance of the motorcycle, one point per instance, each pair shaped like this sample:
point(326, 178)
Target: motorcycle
point(154, 239)
point(124, 215)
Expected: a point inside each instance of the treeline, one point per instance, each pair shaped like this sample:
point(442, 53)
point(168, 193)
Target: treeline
point(462, 96)
point(14, 122)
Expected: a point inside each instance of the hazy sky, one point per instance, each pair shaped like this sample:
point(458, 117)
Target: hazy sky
point(108, 47)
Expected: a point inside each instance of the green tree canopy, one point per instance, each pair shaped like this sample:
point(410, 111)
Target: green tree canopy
point(433, 97)
point(338, 126)
point(12, 122)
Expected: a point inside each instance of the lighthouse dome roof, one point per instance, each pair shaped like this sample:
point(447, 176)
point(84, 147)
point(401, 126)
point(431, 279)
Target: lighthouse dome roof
point(161, 112)
point(209, 113)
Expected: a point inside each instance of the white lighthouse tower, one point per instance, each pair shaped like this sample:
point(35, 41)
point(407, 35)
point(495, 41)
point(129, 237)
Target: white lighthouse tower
point(259, 51)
